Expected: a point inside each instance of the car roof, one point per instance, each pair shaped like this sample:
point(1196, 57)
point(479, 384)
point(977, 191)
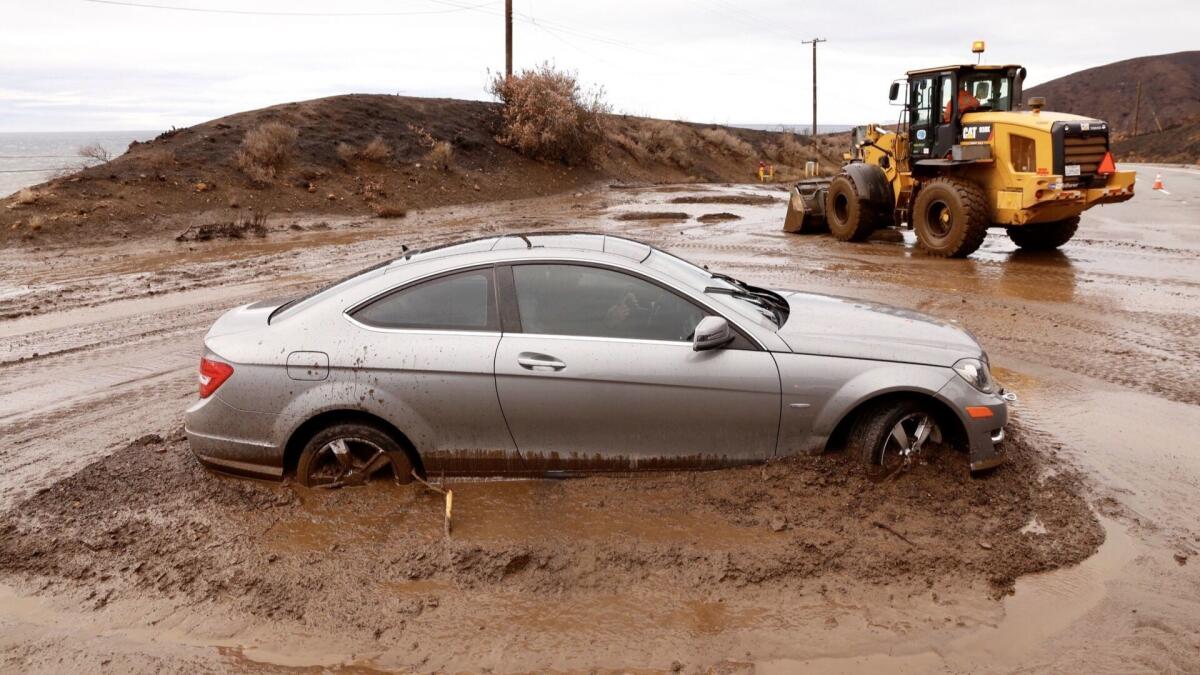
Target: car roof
point(566, 241)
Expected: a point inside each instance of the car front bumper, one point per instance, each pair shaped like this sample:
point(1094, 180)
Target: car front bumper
point(984, 433)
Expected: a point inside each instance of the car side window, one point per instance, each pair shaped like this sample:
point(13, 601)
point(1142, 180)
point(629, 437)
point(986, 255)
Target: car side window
point(559, 299)
point(464, 301)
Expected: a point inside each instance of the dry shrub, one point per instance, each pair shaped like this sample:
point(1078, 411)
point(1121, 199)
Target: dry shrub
point(547, 115)
point(391, 211)
point(629, 145)
point(26, 197)
point(665, 141)
point(346, 152)
point(791, 151)
point(95, 152)
point(265, 150)
point(441, 156)
point(726, 142)
point(254, 224)
point(377, 150)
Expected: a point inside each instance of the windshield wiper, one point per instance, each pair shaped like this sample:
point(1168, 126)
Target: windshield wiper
point(752, 298)
point(765, 298)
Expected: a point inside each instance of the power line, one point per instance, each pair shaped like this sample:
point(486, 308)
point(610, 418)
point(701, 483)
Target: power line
point(251, 12)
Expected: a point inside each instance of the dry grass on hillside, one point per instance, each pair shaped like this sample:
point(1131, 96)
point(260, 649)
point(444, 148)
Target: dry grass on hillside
point(265, 150)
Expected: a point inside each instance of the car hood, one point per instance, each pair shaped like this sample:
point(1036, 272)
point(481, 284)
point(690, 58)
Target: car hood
point(832, 326)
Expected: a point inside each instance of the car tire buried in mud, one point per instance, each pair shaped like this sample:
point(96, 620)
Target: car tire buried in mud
point(1044, 236)
point(891, 435)
point(849, 216)
point(950, 217)
point(351, 454)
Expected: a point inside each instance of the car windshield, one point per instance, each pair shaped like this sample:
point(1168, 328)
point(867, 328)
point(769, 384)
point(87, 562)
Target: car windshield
point(751, 300)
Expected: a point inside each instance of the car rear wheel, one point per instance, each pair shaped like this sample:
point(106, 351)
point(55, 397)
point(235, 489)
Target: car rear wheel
point(891, 436)
point(1044, 236)
point(351, 454)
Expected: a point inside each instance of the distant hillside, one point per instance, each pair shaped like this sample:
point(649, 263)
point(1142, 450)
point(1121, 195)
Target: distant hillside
point(1177, 145)
point(1170, 92)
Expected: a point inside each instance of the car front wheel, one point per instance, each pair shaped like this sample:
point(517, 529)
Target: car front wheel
point(351, 454)
point(889, 437)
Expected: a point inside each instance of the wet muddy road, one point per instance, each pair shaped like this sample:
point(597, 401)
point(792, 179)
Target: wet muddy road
point(98, 347)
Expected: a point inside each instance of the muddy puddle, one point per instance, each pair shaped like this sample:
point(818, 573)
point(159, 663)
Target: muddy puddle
point(674, 559)
point(139, 560)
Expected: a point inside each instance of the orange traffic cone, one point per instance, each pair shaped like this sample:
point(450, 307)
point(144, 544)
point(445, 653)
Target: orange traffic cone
point(1158, 182)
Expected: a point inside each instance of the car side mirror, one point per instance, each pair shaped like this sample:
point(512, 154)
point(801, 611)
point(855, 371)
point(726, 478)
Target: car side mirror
point(713, 332)
point(894, 91)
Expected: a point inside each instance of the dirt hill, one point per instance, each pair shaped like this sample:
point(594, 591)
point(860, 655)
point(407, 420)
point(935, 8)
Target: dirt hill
point(1170, 92)
point(367, 155)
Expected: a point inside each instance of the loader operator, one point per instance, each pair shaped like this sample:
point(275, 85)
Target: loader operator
point(966, 103)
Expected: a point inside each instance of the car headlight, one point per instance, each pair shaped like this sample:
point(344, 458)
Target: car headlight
point(976, 372)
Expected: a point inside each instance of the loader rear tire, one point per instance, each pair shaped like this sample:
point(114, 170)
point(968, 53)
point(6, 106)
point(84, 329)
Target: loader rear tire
point(1045, 236)
point(849, 216)
point(951, 217)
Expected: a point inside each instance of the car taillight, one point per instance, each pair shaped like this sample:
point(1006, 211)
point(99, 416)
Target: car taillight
point(212, 375)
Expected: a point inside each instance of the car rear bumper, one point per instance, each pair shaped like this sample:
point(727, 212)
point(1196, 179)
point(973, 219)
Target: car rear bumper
point(229, 440)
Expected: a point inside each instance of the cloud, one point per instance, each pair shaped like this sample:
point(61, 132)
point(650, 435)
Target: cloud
point(69, 64)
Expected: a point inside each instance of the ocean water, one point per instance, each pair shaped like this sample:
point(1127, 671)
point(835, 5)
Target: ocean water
point(32, 158)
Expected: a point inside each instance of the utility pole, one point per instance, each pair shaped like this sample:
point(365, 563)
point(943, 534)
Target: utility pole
point(814, 43)
point(1137, 106)
point(507, 38)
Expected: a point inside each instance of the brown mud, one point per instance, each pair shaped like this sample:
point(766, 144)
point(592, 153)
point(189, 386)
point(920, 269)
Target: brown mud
point(116, 554)
point(652, 215)
point(722, 217)
point(753, 200)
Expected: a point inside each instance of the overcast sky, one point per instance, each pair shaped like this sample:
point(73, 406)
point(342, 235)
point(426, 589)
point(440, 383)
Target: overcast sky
point(90, 65)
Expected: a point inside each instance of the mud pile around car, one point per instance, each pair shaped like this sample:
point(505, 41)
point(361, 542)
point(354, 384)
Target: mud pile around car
point(148, 522)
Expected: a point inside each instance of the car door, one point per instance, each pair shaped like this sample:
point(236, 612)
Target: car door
point(596, 371)
point(429, 348)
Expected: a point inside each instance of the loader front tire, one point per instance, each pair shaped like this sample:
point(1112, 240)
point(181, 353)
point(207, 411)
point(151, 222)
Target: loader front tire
point(951, 217)
point(1044, 236)
point(849, 216)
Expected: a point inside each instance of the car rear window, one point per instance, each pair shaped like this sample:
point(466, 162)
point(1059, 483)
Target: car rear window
point(463, 301)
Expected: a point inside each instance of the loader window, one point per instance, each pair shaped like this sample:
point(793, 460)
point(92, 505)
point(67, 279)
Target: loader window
point(922, 102)
point(1024, 153)
point(991, 89)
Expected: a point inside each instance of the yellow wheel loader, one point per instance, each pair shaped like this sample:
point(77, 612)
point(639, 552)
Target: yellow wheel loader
point(966, 156)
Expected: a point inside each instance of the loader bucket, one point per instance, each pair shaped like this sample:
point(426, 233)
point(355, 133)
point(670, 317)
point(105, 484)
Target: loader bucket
point(806, 207)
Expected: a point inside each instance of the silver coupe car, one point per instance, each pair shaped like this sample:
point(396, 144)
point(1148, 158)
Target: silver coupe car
point(552, 353)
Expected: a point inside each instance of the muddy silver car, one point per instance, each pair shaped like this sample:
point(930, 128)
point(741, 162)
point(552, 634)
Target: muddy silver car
point(561, 353)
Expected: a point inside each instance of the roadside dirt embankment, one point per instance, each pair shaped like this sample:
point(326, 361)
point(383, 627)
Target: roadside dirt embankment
point(372, 155)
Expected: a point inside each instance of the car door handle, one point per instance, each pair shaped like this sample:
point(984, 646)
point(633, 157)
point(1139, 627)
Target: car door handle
point(535, 361)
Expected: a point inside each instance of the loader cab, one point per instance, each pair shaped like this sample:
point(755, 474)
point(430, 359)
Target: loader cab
point(937, 98)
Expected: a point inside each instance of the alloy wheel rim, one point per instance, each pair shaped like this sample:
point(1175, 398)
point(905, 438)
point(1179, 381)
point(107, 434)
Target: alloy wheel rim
point(347, 460)
point(905, 442)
